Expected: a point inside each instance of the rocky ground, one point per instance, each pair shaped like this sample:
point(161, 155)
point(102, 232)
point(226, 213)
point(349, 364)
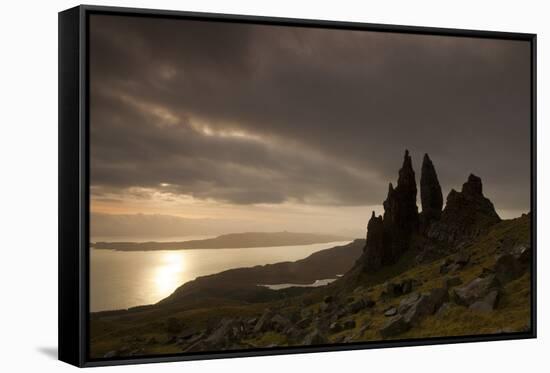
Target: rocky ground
point(483, 289)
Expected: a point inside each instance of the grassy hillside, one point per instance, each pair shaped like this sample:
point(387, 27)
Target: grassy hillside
point(358, 307)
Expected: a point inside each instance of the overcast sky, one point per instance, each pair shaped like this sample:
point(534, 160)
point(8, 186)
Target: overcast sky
point(296, 128)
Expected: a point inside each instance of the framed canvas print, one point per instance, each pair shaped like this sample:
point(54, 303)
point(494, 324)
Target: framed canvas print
point(238, 186)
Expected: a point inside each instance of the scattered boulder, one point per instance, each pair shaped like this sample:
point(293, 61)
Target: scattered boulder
point(279, 322)
point(474, 290)
point(443, 310)
point(451, 281)
point(326, 307)
point(451, 265)
point(393, 289)
point(369, 303)
point(222, 334)
point(395, 326)
point(392, 311)
point(438, 296)
point(488, 303)
point(263, 323)
point(406, 286)
point(407, 302)
point(349, 324)
point(423, 307)
point(355, 307)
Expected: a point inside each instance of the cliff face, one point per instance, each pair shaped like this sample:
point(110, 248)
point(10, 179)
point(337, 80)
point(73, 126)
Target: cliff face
point(466, 215)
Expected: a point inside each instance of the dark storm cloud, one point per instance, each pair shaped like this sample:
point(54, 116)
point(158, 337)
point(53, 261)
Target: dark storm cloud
point(251, 114)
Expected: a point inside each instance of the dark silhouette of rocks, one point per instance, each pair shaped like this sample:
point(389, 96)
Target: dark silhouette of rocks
point(374, 246)
point(430, 193)
point(466, 215)
point(390, 236)
point(436, 230)
point(400, 213)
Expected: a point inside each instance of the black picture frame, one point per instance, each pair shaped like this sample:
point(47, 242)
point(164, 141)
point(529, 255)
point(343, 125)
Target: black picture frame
point(74, 183)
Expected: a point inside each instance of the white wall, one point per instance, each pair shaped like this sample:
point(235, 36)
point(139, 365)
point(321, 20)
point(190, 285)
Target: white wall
point(28, 182)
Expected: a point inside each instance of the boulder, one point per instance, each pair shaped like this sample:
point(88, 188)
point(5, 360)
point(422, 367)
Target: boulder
point(223, 333)
point(263, 323)
point(326, 307)
point(475, 290)
point(406, 286)
point(369, 303)
point(349, 324)
point(395, 326)
point(438, 296)
point(279, 322)
point(393, 289)
point(407, 302)
point(392, 311)
point(452, 281)
point(443, 310)
point(423, 307)
point(487, 303)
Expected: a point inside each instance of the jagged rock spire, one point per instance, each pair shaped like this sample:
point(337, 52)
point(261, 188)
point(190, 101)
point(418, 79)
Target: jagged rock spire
point(400, 213)
point(430, 192)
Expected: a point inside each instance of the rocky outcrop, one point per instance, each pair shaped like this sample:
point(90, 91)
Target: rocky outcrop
point(374, 247)
point(475, 290)
point(400, 213)
point(412, 310)
point(388, 237)
point(430, 193)
point(466, 215)
point(435, 231)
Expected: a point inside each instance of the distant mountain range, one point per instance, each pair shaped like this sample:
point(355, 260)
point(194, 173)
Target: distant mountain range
point(226, 241)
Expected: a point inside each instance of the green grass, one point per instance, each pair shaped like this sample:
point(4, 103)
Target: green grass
point(513, 312)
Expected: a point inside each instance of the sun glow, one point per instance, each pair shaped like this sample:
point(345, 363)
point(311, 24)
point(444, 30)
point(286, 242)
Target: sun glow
point(167, 275)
